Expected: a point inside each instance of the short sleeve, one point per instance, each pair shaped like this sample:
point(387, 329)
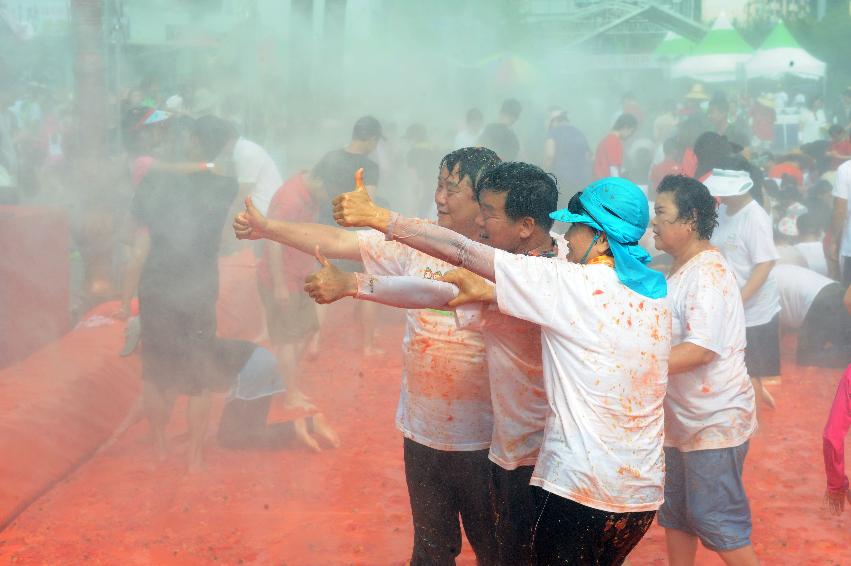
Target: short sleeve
point(527, 286)
point(759, 238)
point(702, 315)
point(381, 257)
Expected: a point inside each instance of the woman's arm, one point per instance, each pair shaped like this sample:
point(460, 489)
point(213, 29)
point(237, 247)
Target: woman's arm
point(687, 356)
point(133, 270)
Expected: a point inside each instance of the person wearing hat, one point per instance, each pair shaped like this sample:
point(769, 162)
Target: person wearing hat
point(746, 239)
point(710, 411)
point(694, 98)
point(606, 335)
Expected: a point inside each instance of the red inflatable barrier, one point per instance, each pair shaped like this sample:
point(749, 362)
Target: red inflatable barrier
point(34, 280)
point(59, 405)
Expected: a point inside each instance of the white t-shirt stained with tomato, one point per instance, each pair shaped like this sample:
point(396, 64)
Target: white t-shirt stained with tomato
point(711, 406)
point(445, 401)
point(605, 355)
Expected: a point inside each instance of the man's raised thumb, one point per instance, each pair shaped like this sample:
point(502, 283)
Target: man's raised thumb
point(359, 186)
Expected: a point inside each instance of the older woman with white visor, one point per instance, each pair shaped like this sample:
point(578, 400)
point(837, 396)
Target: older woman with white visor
point(710, 406)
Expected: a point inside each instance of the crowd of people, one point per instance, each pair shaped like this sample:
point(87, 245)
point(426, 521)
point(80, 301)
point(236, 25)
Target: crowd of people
point(587, 337)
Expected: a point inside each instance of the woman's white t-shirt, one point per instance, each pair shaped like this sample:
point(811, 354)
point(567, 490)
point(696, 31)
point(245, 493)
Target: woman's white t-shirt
point(605, 355)
point(711, 406)
point(746, 239)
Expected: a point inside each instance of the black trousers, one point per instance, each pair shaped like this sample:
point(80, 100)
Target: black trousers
point(825, 337)
point(516, 505)
point(569, 533)
point(442, 486)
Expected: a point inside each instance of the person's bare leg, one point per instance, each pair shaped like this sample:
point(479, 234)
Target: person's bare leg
point(682, 547)
point(368, 316)
point(198, 416)
point(303, 437)
point(158, 412)
point(744, 556)
point(313, 345)
point(323, 430)
point(762, 393)
point(288, 356)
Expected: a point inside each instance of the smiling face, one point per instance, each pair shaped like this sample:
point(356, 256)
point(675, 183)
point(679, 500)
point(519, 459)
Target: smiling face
point(496, 228)
point(670, 233)
point(457, 207)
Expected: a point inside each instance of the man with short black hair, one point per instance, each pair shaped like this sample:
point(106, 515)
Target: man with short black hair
point(444, 411)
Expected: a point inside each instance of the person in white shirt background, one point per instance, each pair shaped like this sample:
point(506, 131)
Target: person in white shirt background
point(813, 122)
point(819, 309)
point(710, 411)
point(605, 330)
point(515, 201)
point(839, 250)
point(745, 237)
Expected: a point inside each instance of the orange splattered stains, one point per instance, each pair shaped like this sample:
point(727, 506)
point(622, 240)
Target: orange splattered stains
point(705, 389)
point(629, 471)
point(598, 292)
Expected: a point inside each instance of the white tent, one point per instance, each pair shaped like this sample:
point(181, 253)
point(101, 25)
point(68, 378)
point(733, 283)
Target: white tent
point(780, 54)
point(718, 56)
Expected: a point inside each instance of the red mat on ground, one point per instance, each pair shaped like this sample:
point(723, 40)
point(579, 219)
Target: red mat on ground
point(58, 405)
point(350, 506)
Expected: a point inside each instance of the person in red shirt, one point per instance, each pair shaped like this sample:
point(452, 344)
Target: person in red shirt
point(839, 149)
point(670, 165)
point(291, 316)
point(608, 160)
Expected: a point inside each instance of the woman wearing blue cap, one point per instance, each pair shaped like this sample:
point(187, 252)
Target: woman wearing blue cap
point(606, 335)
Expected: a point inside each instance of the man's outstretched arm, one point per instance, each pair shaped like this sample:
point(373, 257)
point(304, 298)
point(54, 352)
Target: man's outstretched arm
point(335, 243)
point(356, 209)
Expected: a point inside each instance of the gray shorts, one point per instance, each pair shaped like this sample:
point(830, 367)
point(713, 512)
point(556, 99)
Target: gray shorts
point(705, 496)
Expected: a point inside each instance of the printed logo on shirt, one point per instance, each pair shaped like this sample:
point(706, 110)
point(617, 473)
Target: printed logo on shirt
point(434, 275)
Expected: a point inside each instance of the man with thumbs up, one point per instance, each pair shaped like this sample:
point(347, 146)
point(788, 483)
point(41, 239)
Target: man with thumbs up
point(444, 410)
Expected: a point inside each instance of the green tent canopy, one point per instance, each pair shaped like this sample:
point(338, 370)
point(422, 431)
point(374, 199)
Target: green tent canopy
point(723, 39)
point(674, 45)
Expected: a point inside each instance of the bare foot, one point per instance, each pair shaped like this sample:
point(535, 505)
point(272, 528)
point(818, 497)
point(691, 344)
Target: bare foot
point(304, 437)
point(323, 430)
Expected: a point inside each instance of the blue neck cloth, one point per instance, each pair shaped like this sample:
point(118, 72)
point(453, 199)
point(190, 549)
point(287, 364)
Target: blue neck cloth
point(619, 208)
